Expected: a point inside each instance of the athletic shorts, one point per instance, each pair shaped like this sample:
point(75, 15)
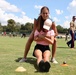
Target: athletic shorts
point(42, 48)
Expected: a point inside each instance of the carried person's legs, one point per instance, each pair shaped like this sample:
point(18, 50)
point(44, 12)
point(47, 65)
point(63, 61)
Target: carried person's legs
point(42, 54)
point(46, 58)
point(38, 55)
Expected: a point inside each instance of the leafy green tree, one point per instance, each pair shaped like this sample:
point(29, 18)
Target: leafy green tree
point(11, 25)
point(1, 28)
point(22, 29)
point(61, 29)
point(17, 27)
point(29, 27)
point(4, 28)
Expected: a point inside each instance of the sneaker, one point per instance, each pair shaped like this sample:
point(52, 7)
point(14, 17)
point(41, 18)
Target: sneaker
point(47, 66)
point(54, 61)
point(67, 44)
point(41, 66)
point(23, 60)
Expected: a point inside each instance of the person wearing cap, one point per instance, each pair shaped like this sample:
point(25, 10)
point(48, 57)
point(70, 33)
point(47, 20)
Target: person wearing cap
point(72, 32)
point(44, 13)
point(43, 36)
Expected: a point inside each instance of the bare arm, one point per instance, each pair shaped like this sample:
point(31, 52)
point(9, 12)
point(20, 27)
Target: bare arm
point(49, 40)
point(35, 24)
point(37, 38)
point(54, 28)
point(71, 25)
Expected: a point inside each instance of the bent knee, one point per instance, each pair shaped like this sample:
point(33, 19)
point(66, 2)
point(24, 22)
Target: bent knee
point(46, 53)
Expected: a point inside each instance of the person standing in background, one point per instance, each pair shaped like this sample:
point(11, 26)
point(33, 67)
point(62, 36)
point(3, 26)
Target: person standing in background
point(72, 30)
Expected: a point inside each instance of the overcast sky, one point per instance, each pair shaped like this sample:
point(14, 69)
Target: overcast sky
point(61, 11)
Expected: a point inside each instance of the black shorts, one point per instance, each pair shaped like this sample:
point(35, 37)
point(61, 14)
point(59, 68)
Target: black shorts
point(42, 48)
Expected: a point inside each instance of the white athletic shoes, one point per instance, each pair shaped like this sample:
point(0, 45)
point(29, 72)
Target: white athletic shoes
point(53, 60)
point(23, 60)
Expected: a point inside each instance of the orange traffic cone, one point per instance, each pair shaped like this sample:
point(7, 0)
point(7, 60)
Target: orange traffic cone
point(64, 64)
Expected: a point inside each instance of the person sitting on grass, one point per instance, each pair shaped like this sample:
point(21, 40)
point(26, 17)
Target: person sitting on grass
point(43, 36)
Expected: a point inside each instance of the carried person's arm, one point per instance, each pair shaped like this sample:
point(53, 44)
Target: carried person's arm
point(37, 38)
point(49, 40)
point(40, 37)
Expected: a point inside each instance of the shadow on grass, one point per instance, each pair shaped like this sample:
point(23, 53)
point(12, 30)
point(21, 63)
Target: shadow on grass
point(30, 60)
point(63, 47)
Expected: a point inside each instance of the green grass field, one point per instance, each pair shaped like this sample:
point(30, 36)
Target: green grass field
point(12, 49)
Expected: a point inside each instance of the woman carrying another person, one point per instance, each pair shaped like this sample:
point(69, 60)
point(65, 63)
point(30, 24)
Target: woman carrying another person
point(44, 13)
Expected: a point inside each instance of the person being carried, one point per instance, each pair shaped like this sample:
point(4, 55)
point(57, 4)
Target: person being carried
point(43, 36)
point(44, 13)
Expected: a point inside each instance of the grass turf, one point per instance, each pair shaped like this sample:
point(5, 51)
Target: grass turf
point(12, 49)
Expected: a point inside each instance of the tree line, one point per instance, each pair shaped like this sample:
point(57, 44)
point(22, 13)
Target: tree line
point(27, 28)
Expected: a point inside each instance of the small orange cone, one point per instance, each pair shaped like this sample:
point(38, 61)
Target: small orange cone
point(20, 69)
point(64, 64)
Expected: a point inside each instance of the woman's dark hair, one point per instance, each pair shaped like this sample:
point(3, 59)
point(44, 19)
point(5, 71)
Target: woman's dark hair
point(40, 20)
point(43, 8)
point(40, 23)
